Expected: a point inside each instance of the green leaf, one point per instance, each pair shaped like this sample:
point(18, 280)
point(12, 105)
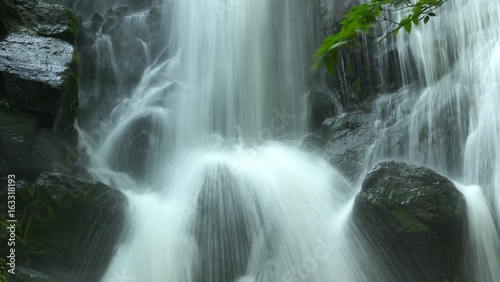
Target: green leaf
point(415, 20)
point(363, 18)
point(408, 26)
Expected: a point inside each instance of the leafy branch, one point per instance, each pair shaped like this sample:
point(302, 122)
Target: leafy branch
point(361, 19)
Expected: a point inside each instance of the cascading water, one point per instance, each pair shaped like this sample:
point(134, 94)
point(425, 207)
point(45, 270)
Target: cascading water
point(200, 129)
point(214, 196)
point(447, 116)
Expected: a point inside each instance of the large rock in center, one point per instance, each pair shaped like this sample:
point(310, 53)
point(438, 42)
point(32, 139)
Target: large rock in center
point(414, 219)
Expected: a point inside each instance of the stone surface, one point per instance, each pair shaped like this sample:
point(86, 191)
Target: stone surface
point(69, 228)
point(322, 105)
point(40, 78)
point(28, 150)
point(414, 218)
point(344, 141)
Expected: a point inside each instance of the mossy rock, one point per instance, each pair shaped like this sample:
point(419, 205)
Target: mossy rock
point(29, 150)
point(71, 227)
point(414, 219)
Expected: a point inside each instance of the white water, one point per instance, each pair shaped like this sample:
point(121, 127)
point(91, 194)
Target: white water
point(205, 144)
point(206, 147)
point(448, 115)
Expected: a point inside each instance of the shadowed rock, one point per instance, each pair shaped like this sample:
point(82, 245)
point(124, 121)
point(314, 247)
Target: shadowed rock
point(414, 218)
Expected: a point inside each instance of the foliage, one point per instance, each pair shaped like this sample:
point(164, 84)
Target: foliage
point(361, 19)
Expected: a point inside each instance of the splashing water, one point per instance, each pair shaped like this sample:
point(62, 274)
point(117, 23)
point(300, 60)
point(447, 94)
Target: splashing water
point(212, 197)
point(448, 115)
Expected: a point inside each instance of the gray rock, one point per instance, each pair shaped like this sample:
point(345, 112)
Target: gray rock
point(222, 216)
point(344, 141)
point(414, 219)
point(40, 78)
point(45, 19)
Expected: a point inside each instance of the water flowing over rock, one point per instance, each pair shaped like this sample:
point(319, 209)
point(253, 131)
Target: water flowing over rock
point(415, 219)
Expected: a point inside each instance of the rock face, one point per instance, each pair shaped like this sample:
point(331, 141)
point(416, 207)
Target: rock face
point(344, 141)
point(222, 218)
point(40, 80)
point(322, 105)
point(124, 37)
point(38, 87)
point(414, 219)
point(69, 228)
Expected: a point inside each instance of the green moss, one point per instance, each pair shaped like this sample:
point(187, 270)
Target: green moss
point(409, 223)
point(73, 23)
point(403, 219)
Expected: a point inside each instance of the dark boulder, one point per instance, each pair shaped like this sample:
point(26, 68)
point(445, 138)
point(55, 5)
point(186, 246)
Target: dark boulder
point(29, 150)
point(95, 23)
point(414, 219)
point(9, 17)
point(322, 105)
point(69, 228)
point(223, 217)
point(17, 135)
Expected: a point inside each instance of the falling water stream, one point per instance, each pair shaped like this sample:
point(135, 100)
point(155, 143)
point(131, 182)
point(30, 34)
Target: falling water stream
point(205, 145)
point(448, 113)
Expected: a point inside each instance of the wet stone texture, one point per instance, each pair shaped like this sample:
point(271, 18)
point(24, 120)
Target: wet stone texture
point(415, 221)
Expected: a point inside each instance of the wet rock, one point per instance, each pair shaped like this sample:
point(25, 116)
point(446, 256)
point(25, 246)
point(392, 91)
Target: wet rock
point(3, 31)
point(47, 19)
point(40, 77)
point(96, 22)
point(17, 135)
point(139, 5)
point(321, 106)
point(414, 218)
point(344, 141)
point(9, 17)
point(61, 213)
point(223, 217)
point(29, 150)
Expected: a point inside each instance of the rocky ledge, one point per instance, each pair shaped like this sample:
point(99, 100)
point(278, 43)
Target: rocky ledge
point(39, 75)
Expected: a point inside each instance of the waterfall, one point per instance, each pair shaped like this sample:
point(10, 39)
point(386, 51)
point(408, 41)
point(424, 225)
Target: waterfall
point(202, 134)
point(195, 109)
point(446, 114)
